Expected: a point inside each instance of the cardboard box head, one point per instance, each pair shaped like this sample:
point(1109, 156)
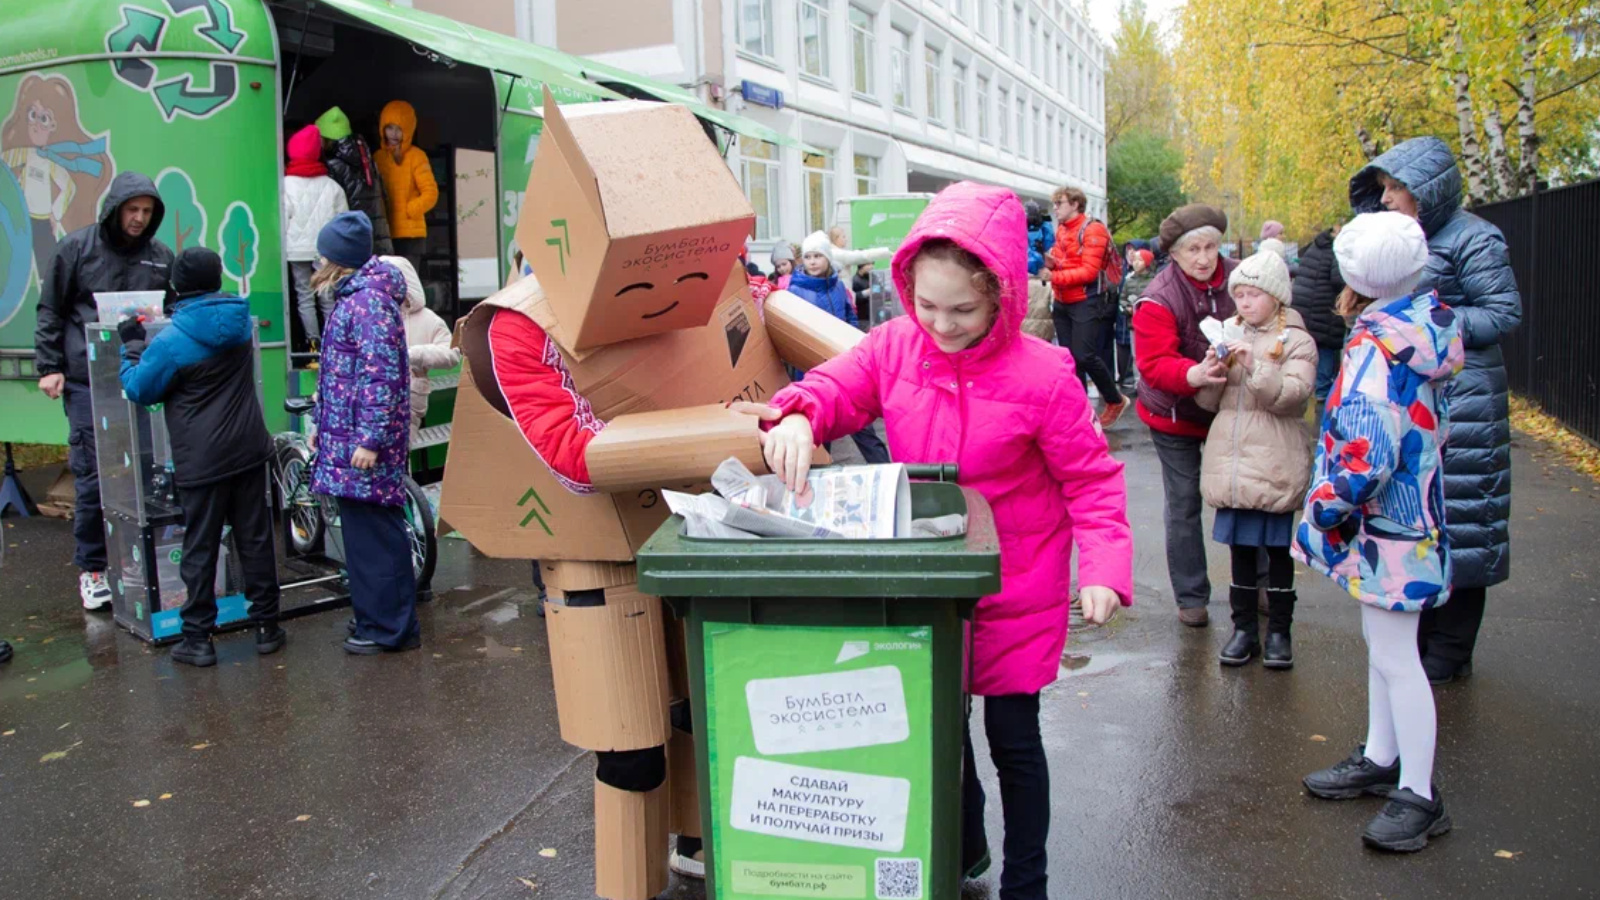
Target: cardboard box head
point(631, 220)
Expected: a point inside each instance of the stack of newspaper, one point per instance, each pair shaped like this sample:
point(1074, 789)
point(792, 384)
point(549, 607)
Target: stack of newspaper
point(857, 502)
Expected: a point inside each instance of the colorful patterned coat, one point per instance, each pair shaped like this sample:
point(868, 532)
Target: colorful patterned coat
point(364, 389)
point(1374, 519)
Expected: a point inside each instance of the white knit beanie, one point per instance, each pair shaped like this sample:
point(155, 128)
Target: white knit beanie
point(1265, 271)
point(414, 293)
point(817, 242)
point(1275, 245)
point(1381, 255)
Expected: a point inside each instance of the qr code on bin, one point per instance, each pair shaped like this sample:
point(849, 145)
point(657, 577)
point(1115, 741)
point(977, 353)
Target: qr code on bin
point(899, 879)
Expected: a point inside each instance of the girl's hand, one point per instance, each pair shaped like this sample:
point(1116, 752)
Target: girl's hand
point(363, 458)
point(787, 447)
point(1099, 603)
point(1208, 371)
point(1240, 351)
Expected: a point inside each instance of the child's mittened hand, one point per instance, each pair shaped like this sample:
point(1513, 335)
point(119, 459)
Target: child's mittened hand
point(1099, 603)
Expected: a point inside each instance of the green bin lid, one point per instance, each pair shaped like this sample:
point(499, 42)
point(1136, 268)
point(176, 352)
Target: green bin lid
point(967, 566)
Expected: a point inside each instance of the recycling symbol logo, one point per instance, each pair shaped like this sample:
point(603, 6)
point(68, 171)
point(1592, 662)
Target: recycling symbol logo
point(141, 32)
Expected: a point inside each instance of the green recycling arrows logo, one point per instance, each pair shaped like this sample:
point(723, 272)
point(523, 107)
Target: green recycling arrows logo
point(142, 30)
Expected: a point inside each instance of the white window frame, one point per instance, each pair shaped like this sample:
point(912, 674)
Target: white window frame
point(900, 71)
point(1018, 44)
point(981, 108)
point(864, 65)
point(1003, 105)
point(958, 97)
point(818, 8)
point(933, 80)
point(817, 219)
point(980, 20)
point(1038, 134)
point(768, 169)
point(1022, 124)
point(768, 50)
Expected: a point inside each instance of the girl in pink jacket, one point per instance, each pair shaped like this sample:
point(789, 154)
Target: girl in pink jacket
point(959, 381)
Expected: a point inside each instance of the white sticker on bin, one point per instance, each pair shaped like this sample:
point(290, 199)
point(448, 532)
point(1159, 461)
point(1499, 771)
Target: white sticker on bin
point(832, 711)
point(822, 806)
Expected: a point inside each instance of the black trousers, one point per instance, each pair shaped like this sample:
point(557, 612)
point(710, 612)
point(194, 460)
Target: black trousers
point(1450, 632)
point(1012, 725)
point(383, 586)
point(1080, 327)
point(88, 522)
point(412, 249)
point(243, 503)
point(1247, 582)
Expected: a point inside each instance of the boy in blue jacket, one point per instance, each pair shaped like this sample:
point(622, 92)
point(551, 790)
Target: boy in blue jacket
point(202, 367)
point(819, 284)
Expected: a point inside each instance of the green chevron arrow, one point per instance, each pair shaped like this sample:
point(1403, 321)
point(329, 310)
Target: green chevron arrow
point(221, 31)
point(140, 30)
point(179, 94)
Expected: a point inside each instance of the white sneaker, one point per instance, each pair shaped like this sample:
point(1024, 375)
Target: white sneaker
point(95, 590)
point(688, 866)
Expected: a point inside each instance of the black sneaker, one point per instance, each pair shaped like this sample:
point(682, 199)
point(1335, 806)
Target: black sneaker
point(1240, 649)
point(1279, 653)
point(1407, 821)
point(1442, 671)
point(1351, 777)
point(195, 652)
point(976, 870)
point(5, 652)
point(270, 639)
point(350, 627)
point(362, 647)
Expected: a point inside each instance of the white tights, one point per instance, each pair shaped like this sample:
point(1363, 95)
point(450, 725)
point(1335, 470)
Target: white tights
point(1401, 722)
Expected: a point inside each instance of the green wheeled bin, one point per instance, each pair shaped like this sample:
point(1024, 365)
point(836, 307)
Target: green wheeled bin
point(826, 683)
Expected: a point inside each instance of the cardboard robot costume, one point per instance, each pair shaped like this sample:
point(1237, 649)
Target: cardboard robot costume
point(599, 377)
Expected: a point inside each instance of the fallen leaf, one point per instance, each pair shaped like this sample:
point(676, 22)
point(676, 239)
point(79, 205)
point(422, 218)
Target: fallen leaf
point(32, 680)
point(201, 746)
point(1319, 738)
point(1506, 854)
point(528, 883)
point(54, 755)
point(63, 725)
point(164, 797)
point(14, 731)
point(516, 649)
point(302, 818)
point(548, 853)
point(50, 639)
point(438, 656)
point(1083, 693)
point(141, 804)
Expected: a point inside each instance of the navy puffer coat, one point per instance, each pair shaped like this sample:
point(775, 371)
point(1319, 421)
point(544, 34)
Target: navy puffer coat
point(1469, 266)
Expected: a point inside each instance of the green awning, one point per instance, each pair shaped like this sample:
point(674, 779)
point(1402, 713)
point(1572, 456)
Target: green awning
point(472, 45)
point(570, 78)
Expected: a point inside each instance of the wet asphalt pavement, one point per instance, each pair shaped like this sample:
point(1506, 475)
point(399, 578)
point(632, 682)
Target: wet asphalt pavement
point(440, 773)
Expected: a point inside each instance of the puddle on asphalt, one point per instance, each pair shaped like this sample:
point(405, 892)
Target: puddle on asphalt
point(1077, 664)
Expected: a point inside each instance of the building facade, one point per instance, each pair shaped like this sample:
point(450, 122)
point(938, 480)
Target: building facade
point(893, 95)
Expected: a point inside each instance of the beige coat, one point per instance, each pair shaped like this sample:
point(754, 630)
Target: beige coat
point(427, 340)
point(1039, 323)
point(1258, 454)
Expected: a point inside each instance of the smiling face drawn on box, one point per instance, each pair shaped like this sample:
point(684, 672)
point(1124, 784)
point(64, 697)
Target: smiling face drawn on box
point(654, 290)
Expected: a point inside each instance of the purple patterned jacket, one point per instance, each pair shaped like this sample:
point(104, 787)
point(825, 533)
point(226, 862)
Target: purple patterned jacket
point(364, 389)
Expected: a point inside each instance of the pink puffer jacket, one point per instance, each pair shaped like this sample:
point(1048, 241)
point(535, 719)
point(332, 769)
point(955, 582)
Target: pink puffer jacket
point(1012, 413)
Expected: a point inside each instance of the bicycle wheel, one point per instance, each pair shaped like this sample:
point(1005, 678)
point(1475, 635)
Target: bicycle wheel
point(424, 544)
point(306, 524)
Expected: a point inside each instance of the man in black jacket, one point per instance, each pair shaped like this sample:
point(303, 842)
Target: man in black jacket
point(1317, 285)
point(119, 253)
point(202, 368)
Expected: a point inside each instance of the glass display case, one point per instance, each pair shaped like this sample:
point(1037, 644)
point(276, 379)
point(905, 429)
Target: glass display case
point(143, 519)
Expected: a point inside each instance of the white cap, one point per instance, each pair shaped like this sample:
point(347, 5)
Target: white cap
point(1381, 255)
point(817, 242)
point(1264, 270)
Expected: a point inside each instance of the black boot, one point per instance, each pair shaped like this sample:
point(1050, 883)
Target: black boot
point(195, 651)
point(5, 652)
point(1353, 776)
point(270, 638)
point(1280, 620)
point(1246, 641)
point(1407, 821)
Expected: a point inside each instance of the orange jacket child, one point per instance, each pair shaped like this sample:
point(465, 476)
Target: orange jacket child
point(408, 184)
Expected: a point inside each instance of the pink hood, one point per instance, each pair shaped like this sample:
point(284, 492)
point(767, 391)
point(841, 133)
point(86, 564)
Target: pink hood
point(1013, 415)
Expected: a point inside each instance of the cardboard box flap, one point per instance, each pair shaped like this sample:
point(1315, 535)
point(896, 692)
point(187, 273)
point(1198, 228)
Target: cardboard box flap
point(803, 335)
point(571, 154)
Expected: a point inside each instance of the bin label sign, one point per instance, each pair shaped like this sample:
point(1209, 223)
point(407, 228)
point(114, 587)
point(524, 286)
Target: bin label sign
point(821, 760)
point(861, 708)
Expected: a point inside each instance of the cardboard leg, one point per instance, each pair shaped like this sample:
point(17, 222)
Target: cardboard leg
point(683, 780)
point(630, 843)
point(610, 671)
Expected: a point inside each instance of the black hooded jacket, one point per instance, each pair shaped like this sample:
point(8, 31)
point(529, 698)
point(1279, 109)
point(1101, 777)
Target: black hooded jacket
point(1317, 285)
point(350, 164)
point(96, 258)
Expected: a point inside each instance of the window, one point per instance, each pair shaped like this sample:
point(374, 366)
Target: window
point(755, 27)
point(1022, 124)
point(819, 189)
point(1055, 63)
point(814, 38)
point(866, 49)
point(935, 66)
point(1072, 152)
point(1052, 147)
point(982, 17)
point(759, 168)
point(1065, 149)
point(982, 109)
point(1036, 53)
point(900, 65)
point(1003, 116)
point(1017, 45)
point(1078, 96)
point(958, 97)
point(866, 175)
point(1038, 134)
point(962, 8)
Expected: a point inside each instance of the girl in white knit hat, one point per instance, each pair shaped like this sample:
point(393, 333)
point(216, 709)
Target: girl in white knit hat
point(1374, 520)
point(1257, 460)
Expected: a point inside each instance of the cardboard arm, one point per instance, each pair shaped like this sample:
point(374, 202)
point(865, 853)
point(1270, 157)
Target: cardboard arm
point(805, 336)
point(671, 447)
